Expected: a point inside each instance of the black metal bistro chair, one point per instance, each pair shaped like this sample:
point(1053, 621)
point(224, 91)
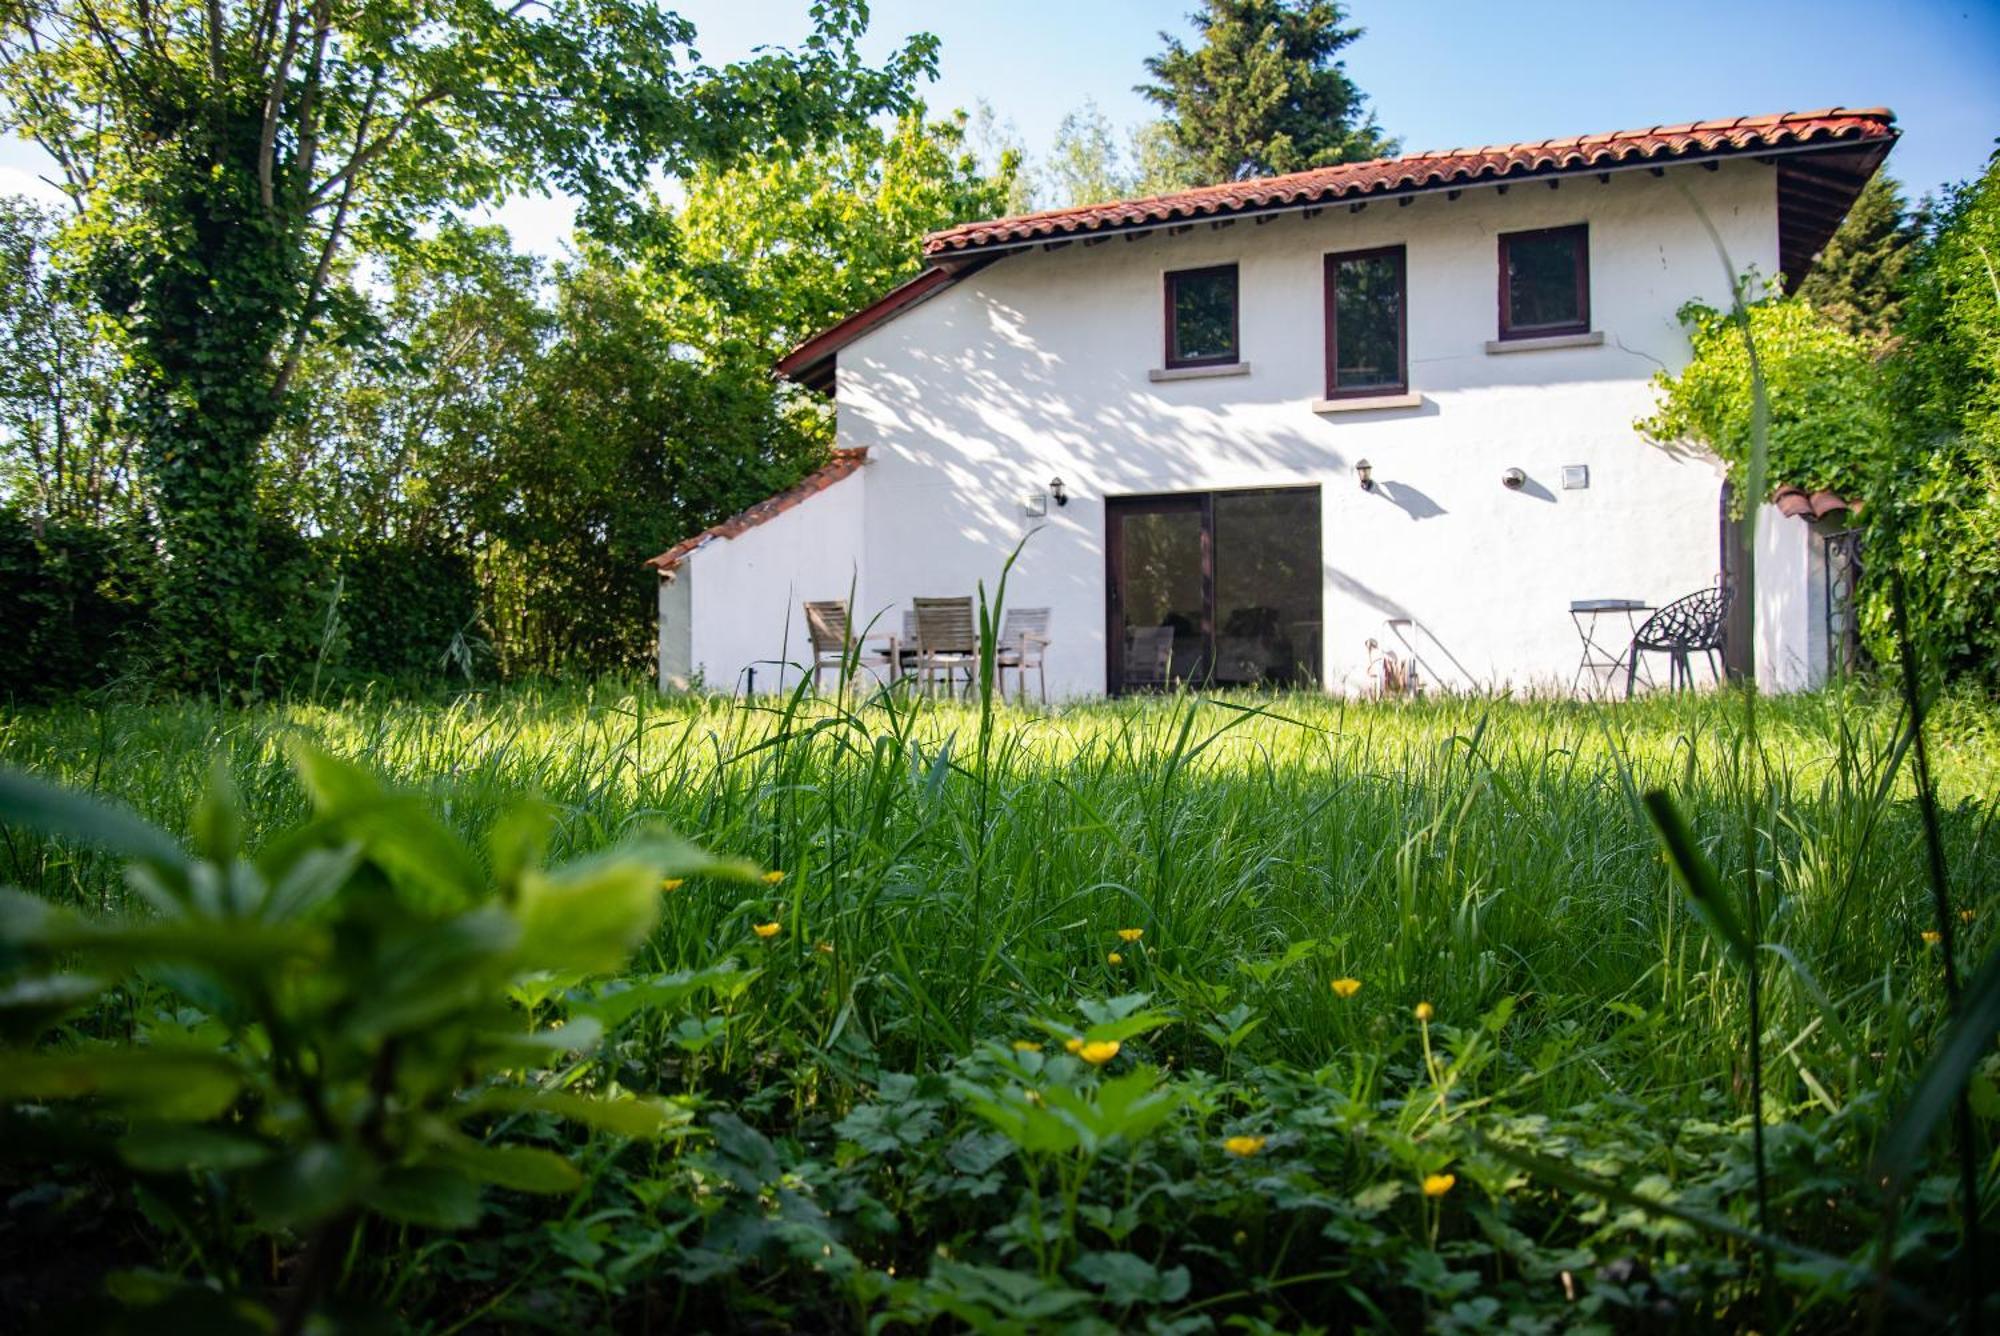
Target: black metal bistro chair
point(1685, 627)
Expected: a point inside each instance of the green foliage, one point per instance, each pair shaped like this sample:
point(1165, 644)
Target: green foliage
point(72, 604)
point(849, 1120)
point(1263, 90)
point(1857, 282)
point(327, 1030)
point(223, 157)
point(1828, 424)
point(1938, 502)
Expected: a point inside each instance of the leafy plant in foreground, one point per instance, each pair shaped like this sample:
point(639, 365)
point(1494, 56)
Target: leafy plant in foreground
point(337, 1027)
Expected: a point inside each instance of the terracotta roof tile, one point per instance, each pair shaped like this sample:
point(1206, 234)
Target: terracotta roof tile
point(1800, 504)
point(1424, 171)
point(839, 466)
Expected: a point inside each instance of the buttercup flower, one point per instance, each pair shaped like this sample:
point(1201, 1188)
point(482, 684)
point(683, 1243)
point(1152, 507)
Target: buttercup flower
point(824, 948)
point(1026, 1046)
point(773, 878)
point(767, 929)
point(1098, 1051)
point(1243, 1147)
point(1436, 1185)
point(1130, 934)
point(1114, 959)
point(1073, 1045)
point(1933, 938)
point(1346, 987)
point(1965, 916)
point(673, 883)
point(1424, 1011)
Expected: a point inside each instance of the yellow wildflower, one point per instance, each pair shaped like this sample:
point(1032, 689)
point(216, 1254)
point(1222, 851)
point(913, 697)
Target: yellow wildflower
point(1424, 1011)
point(1026, 1046)
point(1933, 938)
point(773, 878)
point(1130, 934)
point(1965, 915)
point(1073, 1045)
point(766, 929)
point(1114, 959)
point(1098, 1051)
point(1436, 1185)
point(824, 948)
point(1346, 987)
point(673, 883)
point(1243, 1147)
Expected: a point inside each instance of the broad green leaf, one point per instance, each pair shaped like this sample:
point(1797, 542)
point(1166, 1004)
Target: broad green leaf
point(160, 1148)
point(32, 1003)
point(540, 1048)
point(308, 1184)
point(156, 1082)
point(245, 946)
point(1127, 1278)
point(396, 831)
point(522, 1168)
point(618, 1000)
point(586, 919)
point(35, 804)
point(627, 1115)
point(429, 1195)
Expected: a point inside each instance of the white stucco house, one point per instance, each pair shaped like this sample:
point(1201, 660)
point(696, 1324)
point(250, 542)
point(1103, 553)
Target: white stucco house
point(1306, 421)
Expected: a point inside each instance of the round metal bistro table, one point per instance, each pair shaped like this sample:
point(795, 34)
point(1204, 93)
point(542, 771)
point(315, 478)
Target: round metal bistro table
point(1595, 620)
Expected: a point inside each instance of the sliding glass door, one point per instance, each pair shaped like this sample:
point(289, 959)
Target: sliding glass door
point(1213, 589)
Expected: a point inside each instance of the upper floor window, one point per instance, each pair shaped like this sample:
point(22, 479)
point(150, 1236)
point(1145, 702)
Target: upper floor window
point(1201, 317)
point(1365, 323)
point(1545, 282)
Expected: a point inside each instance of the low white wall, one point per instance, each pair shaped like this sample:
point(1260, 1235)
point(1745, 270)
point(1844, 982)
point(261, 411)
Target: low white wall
point(1791, 604)
point(745, 593)
point(1037, 367)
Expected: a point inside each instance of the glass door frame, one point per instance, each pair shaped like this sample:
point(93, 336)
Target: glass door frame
point(1116, 511)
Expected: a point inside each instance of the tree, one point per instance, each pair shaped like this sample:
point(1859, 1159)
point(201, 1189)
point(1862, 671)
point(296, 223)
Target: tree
point(1937, 503)
point(1858, 278)
point(63, 453)
point(1085, 165)
point(1262, 91)
point(1827, 419)
point(221, 155)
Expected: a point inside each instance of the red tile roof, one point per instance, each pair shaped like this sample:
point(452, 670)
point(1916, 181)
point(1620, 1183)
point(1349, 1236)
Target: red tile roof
point(843, 463)
point(1430, 171)
point(1828, 157)
point(1797, 503)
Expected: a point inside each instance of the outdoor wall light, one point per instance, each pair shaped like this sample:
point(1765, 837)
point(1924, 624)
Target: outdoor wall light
point(1513, 480)
point(1056, 491)
point(1364, 473)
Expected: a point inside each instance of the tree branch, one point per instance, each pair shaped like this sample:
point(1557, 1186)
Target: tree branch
point(267, 139)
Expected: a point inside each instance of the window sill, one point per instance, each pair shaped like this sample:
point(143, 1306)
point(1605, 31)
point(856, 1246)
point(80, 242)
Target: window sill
point(1591, 340)
point(1368, 403)
point(1199, 372)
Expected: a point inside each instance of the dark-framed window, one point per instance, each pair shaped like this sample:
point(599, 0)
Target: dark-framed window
point(1545, 282)
point(1367, 320)
point(1201, 317)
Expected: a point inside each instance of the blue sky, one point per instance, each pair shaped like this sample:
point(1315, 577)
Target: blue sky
point(1441, 74)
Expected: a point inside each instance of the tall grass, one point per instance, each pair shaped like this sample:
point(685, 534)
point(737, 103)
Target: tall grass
point(1453, 851)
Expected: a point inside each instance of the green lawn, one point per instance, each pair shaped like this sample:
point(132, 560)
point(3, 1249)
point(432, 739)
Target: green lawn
point(861, 1129)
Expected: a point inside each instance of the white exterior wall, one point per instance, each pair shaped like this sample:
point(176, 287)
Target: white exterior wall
point(1036, 366)
point(744, 593)
point(1791, 604)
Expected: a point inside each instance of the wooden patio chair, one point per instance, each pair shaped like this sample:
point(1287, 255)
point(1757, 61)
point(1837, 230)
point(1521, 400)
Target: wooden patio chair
point(947, 639)
point(833, 642)
point(1149, 656)
point(1024, 635)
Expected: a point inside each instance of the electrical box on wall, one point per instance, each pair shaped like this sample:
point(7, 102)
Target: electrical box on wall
point(1035, 506)
point(1576, 477)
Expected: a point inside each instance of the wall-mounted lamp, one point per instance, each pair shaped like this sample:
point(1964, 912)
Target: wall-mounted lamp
point(1513, 480)
point(1364, 473)
point(1056, 490)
